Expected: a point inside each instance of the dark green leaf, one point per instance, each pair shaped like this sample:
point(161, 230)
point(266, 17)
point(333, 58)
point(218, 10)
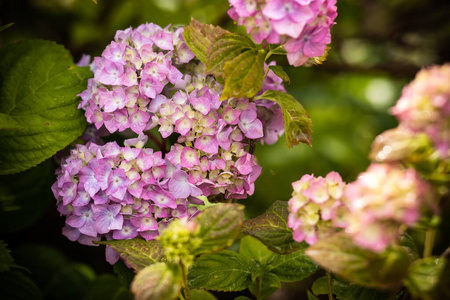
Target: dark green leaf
point(244, 74)
point(423, 276)
point(347, 291)
point(265, 285)
point(407, 242)
point(199, 37)
point(297, 123)
point(271, 229)
point(221, 271)
point(138, 253)
point(14, 285)
point(219, 227)
point(201, 295)
point(39, 84)
point(311, 296)
point(6, 260)
point(6, 26)
point(104, 287)
point(341, 256)
point(278, 70)
point(255, 250)
point(242, 298)
point(292, 267)
point(156, 282)
point(225, 48)
point(124, 273)
point(25, 197)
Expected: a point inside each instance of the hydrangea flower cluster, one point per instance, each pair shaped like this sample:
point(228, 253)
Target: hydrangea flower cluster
point(147, 78)
point(316, 208)
point(120, 192)
point(425, 107)
point(380, 201)
point(303, 26)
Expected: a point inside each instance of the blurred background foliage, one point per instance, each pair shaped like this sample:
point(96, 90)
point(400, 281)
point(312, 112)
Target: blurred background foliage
point(378, 46)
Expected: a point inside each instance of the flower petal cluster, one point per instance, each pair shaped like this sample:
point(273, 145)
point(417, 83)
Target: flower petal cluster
point(119, 192)
point(303, 26)
point(380, 201)
point(316, 209)
point(425, 106)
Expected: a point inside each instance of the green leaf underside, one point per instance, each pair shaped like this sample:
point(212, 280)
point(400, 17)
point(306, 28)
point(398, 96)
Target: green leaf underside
point(423, 276)
point(244, 74)
point(222, 271)
point(279, 71)
point(341, 256)
point(199, 37)
point(347, 291)
point(271, 229)
point(39, 84)
point(225, 48)
point(220, 225)
point(156, 282)
point(297, 123)
point(138, 253)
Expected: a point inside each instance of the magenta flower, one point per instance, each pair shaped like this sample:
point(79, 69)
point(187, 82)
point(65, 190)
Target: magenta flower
point(107, 217)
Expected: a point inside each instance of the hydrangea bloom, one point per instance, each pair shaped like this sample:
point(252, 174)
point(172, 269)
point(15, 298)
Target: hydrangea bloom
point(425, 106)
point(316, 207)
point(303, 26)
point(380, 201)
point(147, 78)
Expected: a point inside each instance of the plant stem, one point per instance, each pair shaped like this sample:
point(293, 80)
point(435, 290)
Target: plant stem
point(429, 242)
point(329, 283)
point(185, 284)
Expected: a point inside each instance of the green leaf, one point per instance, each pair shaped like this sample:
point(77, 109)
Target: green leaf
point(292, 267)
point(39, 84)
point(222, 271)
point(311, 296)
point(6, 260)
point(242, 298)
point(25, 197)
point(341, 256)
point(347, 291)
point(407, 242)
point(297, 123)
point(279, 71)
point(199, 37)
point(271, 229)
point(225, 48)
point(201, 295)
point(105, 286)
point(6, 26)
point(124, 273)
point(244, 74)
point(423, 276)
point(255, 250)
point(138, 253)
point(265, 285)
point(220, 226)
point(157, 281)
point(277, 49)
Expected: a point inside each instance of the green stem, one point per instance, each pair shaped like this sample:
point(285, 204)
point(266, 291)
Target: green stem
point(185, 284)
point(330, 287)
point(429, 242)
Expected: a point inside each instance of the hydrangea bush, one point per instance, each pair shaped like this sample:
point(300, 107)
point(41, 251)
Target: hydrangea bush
point(175, 115)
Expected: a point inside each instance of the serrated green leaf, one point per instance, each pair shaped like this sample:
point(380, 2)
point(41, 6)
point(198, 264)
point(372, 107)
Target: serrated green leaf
point(6, 260)
point(157, 281)
point(244, 74)
point(199, 37)
point(292, 267)
point(220, 226)
point(39, 84)
point(265, 285)
point(347, 291)
point(6, 26)
point(25, 197)
point(407, 242)
point(225, 48)
point(271, 229)
point(222, 271)
point(201, 295)
point(423, 276)
point(254, 249)
point(279, 71)
point(297, 123)
point(138, 253)
point(341, 256)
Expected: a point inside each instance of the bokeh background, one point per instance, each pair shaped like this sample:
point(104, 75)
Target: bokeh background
point(377, 47)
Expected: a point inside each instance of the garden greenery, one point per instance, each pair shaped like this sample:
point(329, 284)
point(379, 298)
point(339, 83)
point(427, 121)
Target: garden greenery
point(174, 115)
